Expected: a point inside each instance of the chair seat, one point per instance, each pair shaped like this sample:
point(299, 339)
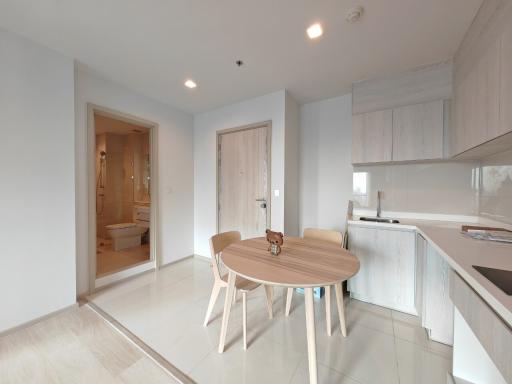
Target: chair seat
point(242, 284)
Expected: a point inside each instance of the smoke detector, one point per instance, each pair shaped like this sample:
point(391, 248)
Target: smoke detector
point(354, 14)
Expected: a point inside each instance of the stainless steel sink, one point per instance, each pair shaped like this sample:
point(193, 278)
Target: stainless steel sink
point(379, 220)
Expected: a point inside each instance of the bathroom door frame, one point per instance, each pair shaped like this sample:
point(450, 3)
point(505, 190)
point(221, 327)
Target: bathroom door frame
point(155, 256)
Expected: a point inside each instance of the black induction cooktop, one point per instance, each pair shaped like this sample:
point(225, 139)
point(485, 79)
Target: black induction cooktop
point(499, 277)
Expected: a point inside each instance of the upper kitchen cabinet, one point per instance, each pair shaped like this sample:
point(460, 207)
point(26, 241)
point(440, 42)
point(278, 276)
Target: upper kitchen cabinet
point(506, 80)
point(482, 118)
point(477, 101)
point(372, 140)
point(418, 131)
point(401, 118)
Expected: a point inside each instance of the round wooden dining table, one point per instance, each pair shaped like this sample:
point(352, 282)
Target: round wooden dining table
point(302, 263)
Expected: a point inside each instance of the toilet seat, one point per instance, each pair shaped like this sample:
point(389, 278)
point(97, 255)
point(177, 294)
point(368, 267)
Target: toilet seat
point(121, 226)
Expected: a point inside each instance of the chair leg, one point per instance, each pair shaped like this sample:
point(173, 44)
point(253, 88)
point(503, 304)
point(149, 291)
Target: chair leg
point(268, 292)
point(244, 315)
point(227, 310)
point(289, 295)
point(341, 309)
point(213, 298)
point(328, 309)
point(234, 296)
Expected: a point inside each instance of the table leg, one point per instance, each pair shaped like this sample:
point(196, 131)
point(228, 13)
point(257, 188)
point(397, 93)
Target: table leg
point(230, 290)
point(289, 295)
point(328, 309)
point(341, 308)
point(270, 295)
point(310, 329)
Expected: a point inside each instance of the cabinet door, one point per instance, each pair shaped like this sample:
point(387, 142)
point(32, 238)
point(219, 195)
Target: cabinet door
point(477, 102)
point(388, 263)
point(437, 316)
point(482, 98)
point(488, 92)
point(372, 140)
point(457, 141)
point(506, 81)
point(418, 131)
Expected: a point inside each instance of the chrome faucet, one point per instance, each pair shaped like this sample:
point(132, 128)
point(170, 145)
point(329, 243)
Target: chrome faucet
point(379, 196)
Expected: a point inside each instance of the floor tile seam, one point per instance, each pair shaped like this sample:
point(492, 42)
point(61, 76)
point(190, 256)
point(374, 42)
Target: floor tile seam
point(397, 364)
point(343, 373)
point(425, 349)
point(295, 371)
point(189, 372)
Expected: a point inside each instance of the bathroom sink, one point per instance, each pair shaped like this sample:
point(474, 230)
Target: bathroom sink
point(379, 220)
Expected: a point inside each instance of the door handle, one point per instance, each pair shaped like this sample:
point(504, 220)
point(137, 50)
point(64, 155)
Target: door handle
point(262, 199)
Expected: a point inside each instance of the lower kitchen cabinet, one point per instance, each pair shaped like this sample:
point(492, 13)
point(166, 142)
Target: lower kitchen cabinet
point(387, 275)
point(437, 307)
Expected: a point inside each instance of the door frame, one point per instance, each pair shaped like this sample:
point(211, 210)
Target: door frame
point(268, 125)
point(154, 256)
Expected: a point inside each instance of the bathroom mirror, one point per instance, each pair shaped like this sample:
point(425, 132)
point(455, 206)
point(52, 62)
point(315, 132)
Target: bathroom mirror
point(141, 169)
point(146, 176)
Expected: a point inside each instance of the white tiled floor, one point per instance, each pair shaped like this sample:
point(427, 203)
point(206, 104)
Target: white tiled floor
point(166, 310)
point(74, 346)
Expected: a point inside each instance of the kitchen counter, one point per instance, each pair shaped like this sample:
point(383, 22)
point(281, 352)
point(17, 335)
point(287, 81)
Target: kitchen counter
point(462, 253)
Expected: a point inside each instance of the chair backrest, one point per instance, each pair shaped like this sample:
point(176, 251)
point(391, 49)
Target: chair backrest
point(328, 235)
point(217, 244)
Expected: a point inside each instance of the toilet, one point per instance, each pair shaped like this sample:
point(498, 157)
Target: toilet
point(128, 235)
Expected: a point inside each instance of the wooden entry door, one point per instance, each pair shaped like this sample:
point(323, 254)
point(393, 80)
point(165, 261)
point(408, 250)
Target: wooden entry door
point(244, 180)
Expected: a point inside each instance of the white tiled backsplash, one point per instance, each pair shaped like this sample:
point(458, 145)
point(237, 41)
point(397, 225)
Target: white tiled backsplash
point(496, 187)
point(448, 188)
point(460, 188)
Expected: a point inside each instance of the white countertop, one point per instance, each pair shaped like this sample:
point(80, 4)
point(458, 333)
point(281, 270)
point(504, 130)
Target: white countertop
point(462, 253)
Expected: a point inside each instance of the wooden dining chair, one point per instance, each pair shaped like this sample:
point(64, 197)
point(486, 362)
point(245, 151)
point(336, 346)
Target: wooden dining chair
point(217, 244)
point(333, 237)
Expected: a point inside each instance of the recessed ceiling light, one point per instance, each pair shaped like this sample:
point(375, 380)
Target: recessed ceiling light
point(314, 31)
point(190, 84)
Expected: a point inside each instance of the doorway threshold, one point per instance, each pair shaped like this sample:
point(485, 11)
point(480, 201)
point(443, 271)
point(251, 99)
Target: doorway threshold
point(124, 274)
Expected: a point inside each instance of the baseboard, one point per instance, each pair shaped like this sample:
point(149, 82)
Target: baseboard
point(143, 347)
point(202, 258)
point(455, 380)
point(37, 320)
point(369, 300)
point(170, 263)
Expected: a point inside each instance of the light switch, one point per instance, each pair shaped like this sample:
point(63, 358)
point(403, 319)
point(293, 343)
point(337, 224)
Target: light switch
point(276, 192)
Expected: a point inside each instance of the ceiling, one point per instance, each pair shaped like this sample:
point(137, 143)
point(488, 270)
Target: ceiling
point(152, 46)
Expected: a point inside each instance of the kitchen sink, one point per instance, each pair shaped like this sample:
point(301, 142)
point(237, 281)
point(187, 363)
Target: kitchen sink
point(379, 220)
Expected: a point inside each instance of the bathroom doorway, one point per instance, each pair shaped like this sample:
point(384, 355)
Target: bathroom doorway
point(121, 225)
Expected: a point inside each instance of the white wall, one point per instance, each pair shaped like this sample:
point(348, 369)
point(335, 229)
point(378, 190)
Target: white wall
point(175, 167)
point(264, 108)
point(291, 177)
point(37, 230)
point(325, 162)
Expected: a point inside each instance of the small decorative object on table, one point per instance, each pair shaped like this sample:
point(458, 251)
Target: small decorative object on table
point(275, 240)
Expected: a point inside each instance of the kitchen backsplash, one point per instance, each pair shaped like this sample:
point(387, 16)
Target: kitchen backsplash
point(448, 188)
point(496, 187)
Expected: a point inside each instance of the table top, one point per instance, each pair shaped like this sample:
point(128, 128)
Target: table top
point(302, 262)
